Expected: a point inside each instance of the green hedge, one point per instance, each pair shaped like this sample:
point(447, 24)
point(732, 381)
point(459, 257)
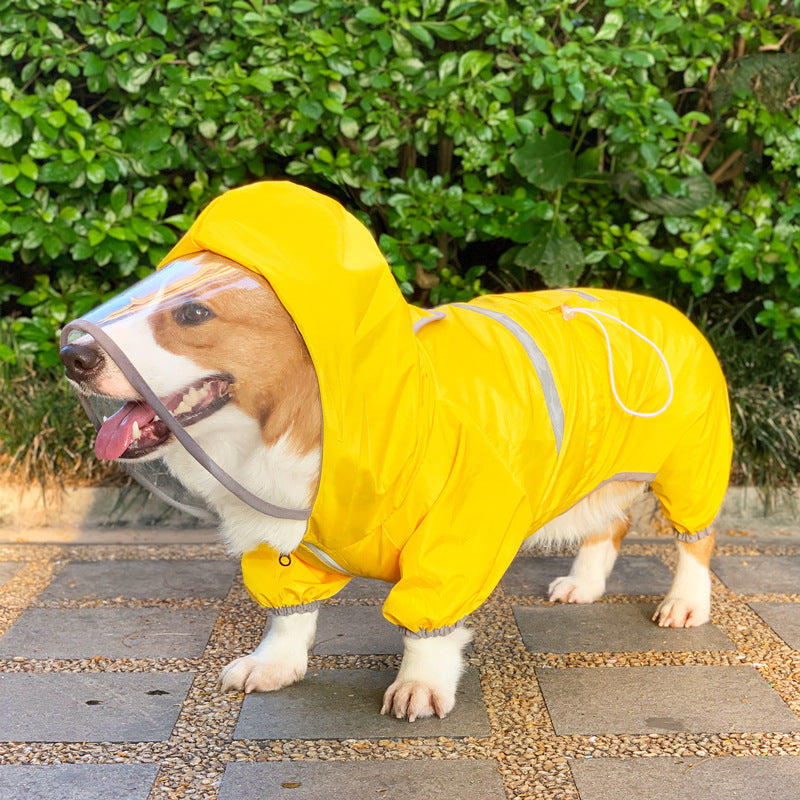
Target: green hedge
point(646, 144)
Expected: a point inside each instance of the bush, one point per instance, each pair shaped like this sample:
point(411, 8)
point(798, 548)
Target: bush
point(650, 145)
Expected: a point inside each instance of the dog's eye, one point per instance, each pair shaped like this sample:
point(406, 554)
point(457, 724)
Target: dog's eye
point(192, 314)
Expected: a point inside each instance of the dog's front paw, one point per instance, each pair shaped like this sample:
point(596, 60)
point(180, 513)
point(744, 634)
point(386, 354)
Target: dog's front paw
point(678, 612)
point(412, 700)
point(253, 674)
point(568, 589)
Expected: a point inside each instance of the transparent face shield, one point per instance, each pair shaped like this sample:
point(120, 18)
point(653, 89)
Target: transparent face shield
point(148, 369)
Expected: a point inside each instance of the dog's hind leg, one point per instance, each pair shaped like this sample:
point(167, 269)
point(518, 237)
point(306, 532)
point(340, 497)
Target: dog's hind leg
point(688, 602)
point(587, 577)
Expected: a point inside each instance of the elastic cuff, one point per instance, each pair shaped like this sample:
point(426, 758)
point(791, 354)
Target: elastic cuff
point(694, 537)
point(301, 608)
point(425, 634)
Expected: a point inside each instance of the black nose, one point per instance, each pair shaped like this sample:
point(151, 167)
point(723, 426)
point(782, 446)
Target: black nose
point(82, 361)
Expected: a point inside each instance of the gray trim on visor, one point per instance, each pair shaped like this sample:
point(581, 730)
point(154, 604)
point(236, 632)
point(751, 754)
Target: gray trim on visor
point(540, 365)
point(176, 429)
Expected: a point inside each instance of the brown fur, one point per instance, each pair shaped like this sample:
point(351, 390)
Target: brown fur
point(281, 390)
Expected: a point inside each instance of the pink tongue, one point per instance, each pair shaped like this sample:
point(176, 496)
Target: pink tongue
point(116, 433)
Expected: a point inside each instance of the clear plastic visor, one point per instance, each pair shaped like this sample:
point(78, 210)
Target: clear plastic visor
point(147, 366)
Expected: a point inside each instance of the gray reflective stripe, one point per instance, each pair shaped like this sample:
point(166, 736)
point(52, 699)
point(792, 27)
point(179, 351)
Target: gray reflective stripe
point(694, 537)
point(423, 321)
point(326, 559)
point(540, 365)
point(583, 295)
point(176, 429)
point(446, 630)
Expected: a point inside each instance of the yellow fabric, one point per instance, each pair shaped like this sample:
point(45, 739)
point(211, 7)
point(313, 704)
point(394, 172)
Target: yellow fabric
point(439, 453)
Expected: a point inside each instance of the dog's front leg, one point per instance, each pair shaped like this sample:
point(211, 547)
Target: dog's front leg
point(280, 660)
point(428, 677)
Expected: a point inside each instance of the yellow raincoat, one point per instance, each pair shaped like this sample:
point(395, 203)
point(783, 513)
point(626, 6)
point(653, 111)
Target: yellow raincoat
point(450, 436)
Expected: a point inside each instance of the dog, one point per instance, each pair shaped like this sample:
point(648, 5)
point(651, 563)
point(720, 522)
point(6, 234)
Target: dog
point(424, 448)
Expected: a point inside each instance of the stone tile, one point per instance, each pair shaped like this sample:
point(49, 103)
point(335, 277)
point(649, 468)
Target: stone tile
point(90, 707)
point(609, 628)
point(759, 574)
point(345, 704)
point(783, 618)
point(673, 778)
point(637, 575)
point(355, 630)
point(145, 579)
point(365, 589)
point(78, 781)
point(8, 569)
point(643, 700)
point(417, 779)
point(109, 632)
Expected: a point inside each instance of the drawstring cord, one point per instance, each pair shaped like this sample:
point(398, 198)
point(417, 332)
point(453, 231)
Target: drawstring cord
point(569, 313)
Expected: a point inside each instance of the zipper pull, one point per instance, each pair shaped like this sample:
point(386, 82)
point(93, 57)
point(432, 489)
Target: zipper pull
point(285, 559)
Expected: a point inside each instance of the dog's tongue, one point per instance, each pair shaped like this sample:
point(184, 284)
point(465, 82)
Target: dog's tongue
point(116, 433)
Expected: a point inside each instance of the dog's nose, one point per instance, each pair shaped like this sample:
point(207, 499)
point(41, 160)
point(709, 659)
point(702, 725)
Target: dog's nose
point(81, 360)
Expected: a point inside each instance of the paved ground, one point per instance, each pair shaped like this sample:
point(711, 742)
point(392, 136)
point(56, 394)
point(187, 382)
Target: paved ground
point(109, 657)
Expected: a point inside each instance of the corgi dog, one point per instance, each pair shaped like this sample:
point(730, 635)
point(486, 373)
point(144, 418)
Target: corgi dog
point(231, 365)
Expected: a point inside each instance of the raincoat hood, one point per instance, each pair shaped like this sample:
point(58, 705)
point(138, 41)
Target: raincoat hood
point(450, 436)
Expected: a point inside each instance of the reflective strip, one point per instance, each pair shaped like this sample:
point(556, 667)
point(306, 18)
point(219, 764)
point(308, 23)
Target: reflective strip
point(326, 559)
point(435, 315)
point(583, 295)
point(540, 365)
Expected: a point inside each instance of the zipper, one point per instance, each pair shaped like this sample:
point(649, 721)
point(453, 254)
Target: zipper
point(326, 559)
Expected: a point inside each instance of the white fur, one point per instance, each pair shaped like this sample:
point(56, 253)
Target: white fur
point(587, 577)
point(688, 602)
point(280, 660)
point(275, 473)
point(592, 514)
point(428, 677)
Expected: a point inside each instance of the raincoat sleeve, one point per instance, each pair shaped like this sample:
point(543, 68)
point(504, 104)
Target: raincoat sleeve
point(276, 586)
point(464, 544)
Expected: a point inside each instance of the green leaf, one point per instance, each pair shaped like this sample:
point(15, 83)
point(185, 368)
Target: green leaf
point(698, 192)
point(401, 45)
point(95, 172)
point(546, 161)
point(302, 6)
point(10, 130)
point(557, 258)
point(371, 16)
point(156, 21)
point(613, 21)
point(61, 90)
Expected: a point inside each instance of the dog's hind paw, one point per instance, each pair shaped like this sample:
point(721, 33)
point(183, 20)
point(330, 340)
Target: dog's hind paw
point(252, 674)
point(413, 700)
point(568, 589)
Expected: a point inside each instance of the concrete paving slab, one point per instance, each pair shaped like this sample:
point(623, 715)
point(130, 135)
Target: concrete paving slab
point(636, 575)
point(644, 700)
point(665, 778)
point(759, 574)
point(783, 618)
point(345, 704)
point(365, 589)
point(473, 779)
point(109, 632)
point(77, 781)
point(355, 630)
point(8, 569)
point(90, 707)
point(613, 628)
point(160, 579)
